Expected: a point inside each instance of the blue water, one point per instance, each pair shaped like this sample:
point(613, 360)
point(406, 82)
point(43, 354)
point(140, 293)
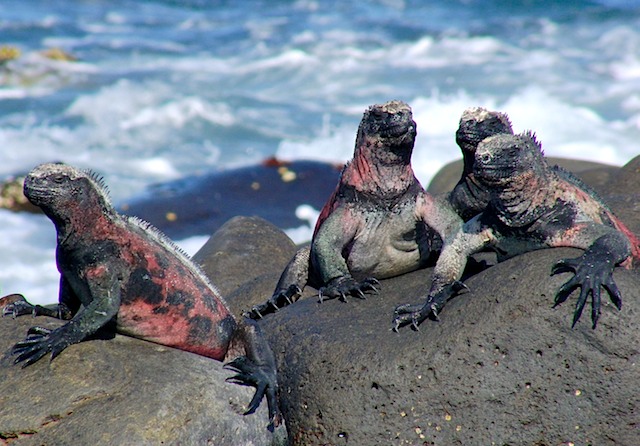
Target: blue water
point(164, 89)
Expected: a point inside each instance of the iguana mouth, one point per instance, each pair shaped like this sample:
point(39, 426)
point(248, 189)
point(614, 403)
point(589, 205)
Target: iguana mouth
point(491, 174)
point(34, 193)
point(395, 130)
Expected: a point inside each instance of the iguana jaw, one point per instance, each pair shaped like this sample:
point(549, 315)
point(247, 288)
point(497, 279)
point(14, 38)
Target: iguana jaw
point(381, 164)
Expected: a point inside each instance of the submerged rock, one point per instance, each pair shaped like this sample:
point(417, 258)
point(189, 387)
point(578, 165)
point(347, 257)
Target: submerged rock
point(199, 205)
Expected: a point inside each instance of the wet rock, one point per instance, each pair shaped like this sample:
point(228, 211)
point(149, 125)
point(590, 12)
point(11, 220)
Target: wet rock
point(121, 391)
point(199, 205)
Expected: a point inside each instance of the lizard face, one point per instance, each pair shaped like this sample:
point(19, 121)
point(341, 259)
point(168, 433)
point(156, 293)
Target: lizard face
point(388, 131)
point(56, 186)
point(392, 122)
point(478, 123)
point(500, 159)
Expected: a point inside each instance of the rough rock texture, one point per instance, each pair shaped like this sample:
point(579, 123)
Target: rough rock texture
point(623, 193)
point(246, 256)
point(501, 367)
point(121, 391)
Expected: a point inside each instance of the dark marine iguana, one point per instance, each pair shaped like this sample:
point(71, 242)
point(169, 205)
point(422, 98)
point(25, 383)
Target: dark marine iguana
point(378, 223)
point(469, 197)
point(534, 206)
point(117, 267)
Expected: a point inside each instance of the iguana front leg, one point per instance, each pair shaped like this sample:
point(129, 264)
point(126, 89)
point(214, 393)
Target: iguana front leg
point(593, 270)
point(289, 288)
point(329, 252)
point(447, 273)
point(105, 287)
point(15, 305)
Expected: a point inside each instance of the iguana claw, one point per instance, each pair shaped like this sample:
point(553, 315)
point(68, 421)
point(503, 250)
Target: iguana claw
point(344, 286)
point(590, 275)
point(414, 315)
point(279, 299)
point(249, 373)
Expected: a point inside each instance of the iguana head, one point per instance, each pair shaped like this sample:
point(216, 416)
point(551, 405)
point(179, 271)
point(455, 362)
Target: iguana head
point(476, 124)
point(60, 190)
point(503, 159)
point(386, 134)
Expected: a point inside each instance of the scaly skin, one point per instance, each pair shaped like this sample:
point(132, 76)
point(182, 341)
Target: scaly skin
point(534, 206)
point(469, 198)
point(378, 223)
point(112, 265)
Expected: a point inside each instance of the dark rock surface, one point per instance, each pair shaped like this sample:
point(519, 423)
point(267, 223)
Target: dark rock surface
point(199, 205)
point(623, 194)
point(121, 391)
point(246, 257)
point(501, 367)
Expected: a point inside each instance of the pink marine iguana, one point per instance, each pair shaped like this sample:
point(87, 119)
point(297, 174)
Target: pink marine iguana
point(115, 267)
point(378, 223)
point(533, 206)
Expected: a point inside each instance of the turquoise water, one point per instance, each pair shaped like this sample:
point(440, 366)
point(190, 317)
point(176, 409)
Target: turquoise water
point(164, 89)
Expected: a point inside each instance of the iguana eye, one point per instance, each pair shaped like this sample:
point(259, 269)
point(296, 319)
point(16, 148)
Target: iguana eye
point(379, 114)
point(58, 178)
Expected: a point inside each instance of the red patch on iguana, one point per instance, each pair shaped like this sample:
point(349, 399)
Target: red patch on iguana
point(327, 209)
point(633, 239)
point(166, 302)
point(592, 204)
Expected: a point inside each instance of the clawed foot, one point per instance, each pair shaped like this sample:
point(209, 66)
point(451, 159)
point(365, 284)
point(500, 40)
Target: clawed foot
point(590, 276)
point(279, 299)
point(38, 343)
point(263, 378)
point(415, 314)
point(344, 286)
point(15, 305)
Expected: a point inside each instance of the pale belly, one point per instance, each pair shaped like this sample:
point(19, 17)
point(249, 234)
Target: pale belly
point(387, 247)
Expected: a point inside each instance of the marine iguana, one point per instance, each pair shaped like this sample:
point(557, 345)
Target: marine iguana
point(115, 267)
point(469, 198)
point(534, 206)
point(378, 223)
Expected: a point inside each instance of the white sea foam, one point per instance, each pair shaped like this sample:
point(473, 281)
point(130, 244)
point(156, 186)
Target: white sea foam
point(157, 96)
point(28, 246)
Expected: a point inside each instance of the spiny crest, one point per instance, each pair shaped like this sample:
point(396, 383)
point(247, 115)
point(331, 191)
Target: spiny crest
point(161, 238)
point(98, 181)
point(531, 136)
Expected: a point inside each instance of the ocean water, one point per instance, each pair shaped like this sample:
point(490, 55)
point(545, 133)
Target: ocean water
point(164, 89)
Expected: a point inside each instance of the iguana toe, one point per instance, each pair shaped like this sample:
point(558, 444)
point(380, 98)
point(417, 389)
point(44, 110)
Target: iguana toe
point(249, 373)
point(344, 286)
point(589, 275)
point(280, 298)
